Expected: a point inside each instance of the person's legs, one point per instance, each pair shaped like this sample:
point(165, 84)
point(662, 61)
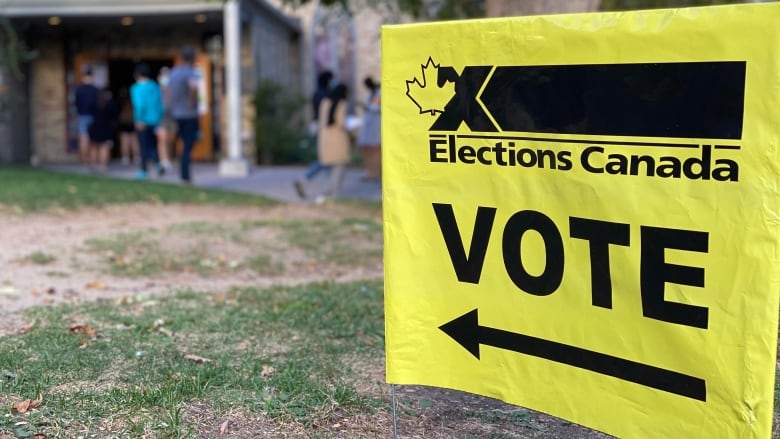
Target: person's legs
point(148, 146)
point(163, 141)
point(337, 179)
point(92, 155)
point(135, 149)
point(104, 151)
point(188, 131)
point(124, 146)
point(84, 121)
point(374, 168)
point(372, 163)
point(314, 168)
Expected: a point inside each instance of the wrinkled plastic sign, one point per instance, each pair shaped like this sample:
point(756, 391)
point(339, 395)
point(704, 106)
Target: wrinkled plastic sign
point(581, 215)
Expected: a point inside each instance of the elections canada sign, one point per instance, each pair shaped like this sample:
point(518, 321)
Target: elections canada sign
point(588, 233)
point(693, 100)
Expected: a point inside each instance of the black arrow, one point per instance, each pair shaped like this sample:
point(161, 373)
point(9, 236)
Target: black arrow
point(469, 334)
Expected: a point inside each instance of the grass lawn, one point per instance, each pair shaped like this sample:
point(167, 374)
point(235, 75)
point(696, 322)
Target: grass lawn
point(303, 357)
point(303, 361)
point(29, 189)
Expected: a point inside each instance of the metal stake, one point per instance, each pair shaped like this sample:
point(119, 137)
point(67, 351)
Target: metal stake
point(395, 416)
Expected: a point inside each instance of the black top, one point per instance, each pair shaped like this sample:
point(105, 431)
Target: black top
point(86, 99)
point(104, 125)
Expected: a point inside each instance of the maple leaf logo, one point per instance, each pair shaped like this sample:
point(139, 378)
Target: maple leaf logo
point(426, 93)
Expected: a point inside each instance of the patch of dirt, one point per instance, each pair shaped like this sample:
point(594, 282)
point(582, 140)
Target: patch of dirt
point(77, 274)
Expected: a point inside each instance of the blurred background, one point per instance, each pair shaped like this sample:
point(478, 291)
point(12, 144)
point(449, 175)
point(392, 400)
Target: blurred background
point(272, 60)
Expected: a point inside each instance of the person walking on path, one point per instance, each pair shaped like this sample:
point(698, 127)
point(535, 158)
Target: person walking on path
point(323, 88)
point(333, 143)
point(182, 96)
point(147, 113)
point(86, 97)
point(370, 138)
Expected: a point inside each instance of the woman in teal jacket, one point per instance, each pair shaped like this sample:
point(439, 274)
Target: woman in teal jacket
point(147, 101)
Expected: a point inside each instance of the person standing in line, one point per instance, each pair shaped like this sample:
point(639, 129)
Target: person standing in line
point(86, 98)
point(103, 130)
point(323, 88)
point(370, 138)
point(166, 131)
point(147, 112)
point(183, 98)
point(128, 139)
point(333, 143)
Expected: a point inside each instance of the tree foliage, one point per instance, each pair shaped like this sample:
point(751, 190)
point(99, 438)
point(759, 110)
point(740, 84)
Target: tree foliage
point(13, 54)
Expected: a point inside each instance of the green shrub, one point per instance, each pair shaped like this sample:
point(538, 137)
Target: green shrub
point(279, 131)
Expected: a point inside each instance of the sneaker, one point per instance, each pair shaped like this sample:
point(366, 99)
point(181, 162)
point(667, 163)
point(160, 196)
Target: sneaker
point(300, 189)
point(141, 175)
point(161, 170)
point(125, 161)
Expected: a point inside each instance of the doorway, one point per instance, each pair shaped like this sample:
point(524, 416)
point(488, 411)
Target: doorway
point(121, 76)
point(117, 74)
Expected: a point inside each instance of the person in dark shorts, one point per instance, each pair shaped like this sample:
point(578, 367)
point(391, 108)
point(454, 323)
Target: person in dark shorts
point(102, 131)
point(86, 100)
point(128, 139)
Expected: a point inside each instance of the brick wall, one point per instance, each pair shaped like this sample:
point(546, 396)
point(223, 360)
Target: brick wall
point(48, 101)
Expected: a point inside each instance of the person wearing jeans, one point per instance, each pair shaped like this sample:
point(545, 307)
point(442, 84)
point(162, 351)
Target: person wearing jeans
point(188, 131)
point(147, 112)
point(182, 98)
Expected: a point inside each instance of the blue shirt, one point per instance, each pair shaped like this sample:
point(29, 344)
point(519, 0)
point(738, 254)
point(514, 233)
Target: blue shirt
point(147, 102)
point(182, 99)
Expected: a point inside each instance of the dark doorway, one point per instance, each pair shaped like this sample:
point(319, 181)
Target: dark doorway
point(121, 77)
point(120, 72)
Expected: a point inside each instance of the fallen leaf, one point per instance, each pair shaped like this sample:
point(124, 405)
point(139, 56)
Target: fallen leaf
point(95, 285)
point(223, 429)
point(40, 436)
point(157, 323)
point(27, 328)
point(26, 405)
point(197, 359)
point(35, 292)
point(165, 331)
point(267, 371)
point(51, 291)
point(83, 329)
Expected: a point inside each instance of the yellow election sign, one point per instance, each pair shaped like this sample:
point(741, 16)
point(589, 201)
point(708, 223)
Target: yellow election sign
point(581, 215)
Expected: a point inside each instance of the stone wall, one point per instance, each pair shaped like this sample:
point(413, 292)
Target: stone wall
point(48, 101)
point(368, 33)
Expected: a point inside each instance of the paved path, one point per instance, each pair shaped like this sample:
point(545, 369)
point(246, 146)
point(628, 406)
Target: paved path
point(274, 182)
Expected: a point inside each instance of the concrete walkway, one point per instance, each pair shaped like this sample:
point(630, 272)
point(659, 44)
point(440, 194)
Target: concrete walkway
point(274, 182)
